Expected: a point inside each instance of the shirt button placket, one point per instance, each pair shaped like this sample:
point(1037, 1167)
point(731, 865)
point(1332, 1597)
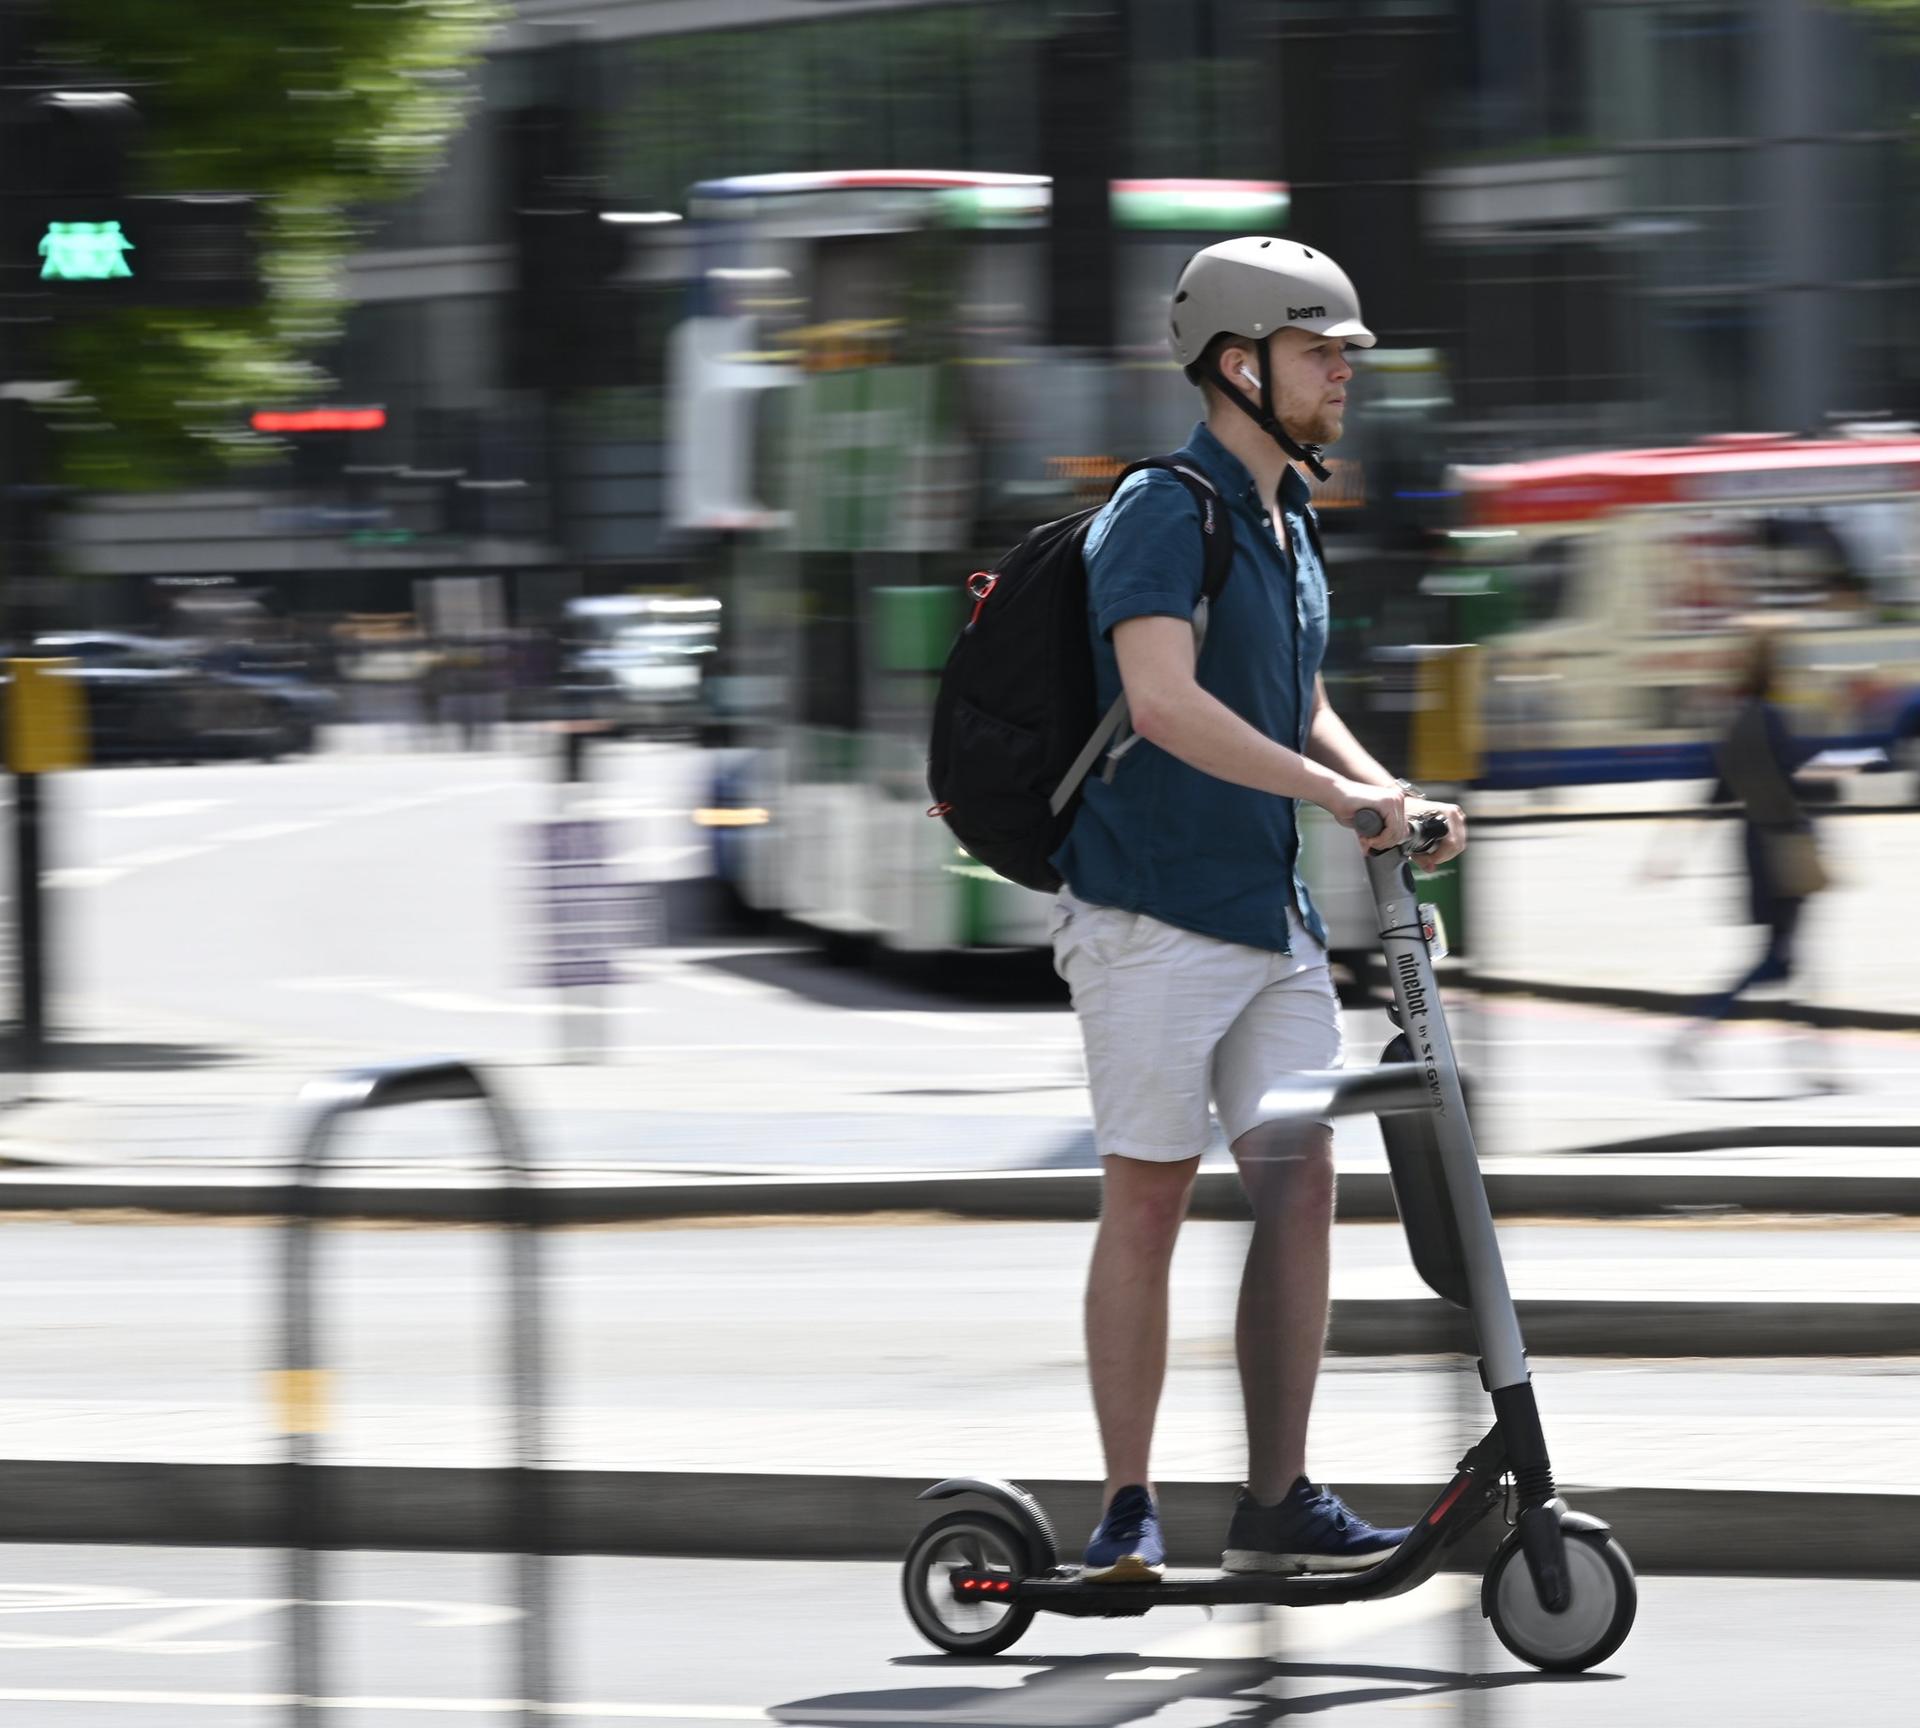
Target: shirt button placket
point(1302, 691)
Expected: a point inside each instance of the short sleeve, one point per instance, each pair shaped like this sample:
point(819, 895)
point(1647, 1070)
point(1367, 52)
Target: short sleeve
point(1144, 555)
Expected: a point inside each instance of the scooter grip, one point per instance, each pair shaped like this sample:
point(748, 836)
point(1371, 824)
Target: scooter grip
point(1367, 824)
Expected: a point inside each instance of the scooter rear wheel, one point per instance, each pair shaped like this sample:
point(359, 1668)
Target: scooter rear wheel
point(965, 1542)
point(1602, 1598)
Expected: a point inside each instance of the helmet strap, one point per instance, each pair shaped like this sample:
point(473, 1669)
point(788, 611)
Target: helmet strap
point(1263, 416)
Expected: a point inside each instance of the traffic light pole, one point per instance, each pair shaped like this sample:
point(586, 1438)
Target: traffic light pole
point(30, 923)
point(21, 542)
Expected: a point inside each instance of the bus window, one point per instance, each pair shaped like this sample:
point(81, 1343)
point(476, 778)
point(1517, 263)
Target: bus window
point(829, 682)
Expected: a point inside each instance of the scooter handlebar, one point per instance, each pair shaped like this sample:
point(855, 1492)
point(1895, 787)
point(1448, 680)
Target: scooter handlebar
point(1427, 831)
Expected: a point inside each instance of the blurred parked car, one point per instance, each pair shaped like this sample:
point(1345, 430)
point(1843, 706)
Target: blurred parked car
point(152, 699)
point(282, 673)
point(639, 662)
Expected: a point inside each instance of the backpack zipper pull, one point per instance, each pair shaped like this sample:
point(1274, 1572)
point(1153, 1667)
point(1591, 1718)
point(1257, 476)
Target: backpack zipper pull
point(980, 584)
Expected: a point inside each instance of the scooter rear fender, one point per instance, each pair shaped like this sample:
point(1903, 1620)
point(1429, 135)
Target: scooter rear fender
point(1026, 1512)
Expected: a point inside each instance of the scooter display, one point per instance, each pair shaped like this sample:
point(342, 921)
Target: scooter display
point(1559, 1590)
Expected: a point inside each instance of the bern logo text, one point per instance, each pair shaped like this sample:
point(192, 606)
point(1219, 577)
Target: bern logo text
point(1294, 312)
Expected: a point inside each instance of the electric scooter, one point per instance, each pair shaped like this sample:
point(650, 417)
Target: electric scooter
point(1559, 1590)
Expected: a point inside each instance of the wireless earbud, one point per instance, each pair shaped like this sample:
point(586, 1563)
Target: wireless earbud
point(1244, 373)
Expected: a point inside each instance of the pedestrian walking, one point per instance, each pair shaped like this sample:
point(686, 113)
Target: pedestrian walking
point(1757, 758)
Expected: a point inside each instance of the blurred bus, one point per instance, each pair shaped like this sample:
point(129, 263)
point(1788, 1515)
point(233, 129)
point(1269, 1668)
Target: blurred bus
point(864, 411)
point(1617, 589)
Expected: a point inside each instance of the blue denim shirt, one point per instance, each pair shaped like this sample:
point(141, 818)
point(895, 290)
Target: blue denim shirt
point(1164, 838)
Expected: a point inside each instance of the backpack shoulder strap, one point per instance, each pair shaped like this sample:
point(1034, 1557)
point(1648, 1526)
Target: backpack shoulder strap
point(1115, 734)
point(1216, 526)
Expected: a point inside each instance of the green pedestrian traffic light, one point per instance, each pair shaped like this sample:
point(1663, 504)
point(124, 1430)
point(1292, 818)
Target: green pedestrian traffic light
point(85, 252)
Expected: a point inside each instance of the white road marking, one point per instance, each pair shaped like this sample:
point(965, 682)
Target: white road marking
point(1154, 1674)
point(156, 855)
point(265, 831)
point(736, 988)
point(100, 875)
point(460, 1002)
point(158, 1637)
point(759, 1047)
point(81, 876)
point(410, 994)
point(445, 1706)
point(959, 1021)
point(48, 1598)
point(176, 1616)
point(166, 807)
point(378, 807)
point(1328, 1627)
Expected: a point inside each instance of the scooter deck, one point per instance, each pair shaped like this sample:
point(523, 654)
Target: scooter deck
point(1065, 1591)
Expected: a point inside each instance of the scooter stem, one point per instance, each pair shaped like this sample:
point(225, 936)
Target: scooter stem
point(1396, 899)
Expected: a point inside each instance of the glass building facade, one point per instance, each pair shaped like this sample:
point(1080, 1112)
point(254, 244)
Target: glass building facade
point(1616, 220)
point(1756, 160)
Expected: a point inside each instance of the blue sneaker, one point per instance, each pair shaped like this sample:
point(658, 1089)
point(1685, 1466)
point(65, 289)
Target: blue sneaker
point(1311, 1530)
point(1126, 1548)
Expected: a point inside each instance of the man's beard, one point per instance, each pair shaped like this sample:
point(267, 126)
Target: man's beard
point(1327, 427)
point(1322, 426)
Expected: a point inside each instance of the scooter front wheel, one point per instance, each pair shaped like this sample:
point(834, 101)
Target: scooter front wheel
point(1601, 1601)
point(965, 1542)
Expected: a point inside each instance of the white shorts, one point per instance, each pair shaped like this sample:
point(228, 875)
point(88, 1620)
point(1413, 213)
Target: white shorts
point(1173, 1020)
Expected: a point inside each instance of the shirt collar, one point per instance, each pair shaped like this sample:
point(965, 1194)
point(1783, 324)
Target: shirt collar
point(1231, 475)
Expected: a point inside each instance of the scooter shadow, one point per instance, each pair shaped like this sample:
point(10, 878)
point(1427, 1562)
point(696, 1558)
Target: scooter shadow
point(1110, 1691)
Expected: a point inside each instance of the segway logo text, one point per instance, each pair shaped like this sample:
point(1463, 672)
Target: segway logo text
point(1411, 988)
point(1294, 312)
point(1431, 1065)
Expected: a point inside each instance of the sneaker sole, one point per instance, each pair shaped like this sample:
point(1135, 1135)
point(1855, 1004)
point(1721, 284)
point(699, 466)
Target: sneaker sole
point(1251, 1560)
point(1130, 1570)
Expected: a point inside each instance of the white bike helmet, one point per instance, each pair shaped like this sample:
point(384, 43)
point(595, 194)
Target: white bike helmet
point(1252, 287)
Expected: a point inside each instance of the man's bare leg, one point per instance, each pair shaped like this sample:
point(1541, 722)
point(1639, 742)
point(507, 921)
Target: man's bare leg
point(1282, 1324)
point(1141, 1208)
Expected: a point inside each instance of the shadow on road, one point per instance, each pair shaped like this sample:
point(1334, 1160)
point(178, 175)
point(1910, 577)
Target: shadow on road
point(1107, 1691)
point(848, 971)
point(948, 983)
point(105, 1056)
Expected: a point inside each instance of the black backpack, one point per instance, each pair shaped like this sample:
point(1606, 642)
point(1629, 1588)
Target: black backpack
point(1015, 729)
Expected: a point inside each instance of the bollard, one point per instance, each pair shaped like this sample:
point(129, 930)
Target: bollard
point(42, 731)
point(300, 1387)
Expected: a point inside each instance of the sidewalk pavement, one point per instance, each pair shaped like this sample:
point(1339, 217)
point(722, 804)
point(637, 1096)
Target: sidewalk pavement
point(778, 1391)
point(1550, 1080)
point(1649, 911)
point(1556, 909)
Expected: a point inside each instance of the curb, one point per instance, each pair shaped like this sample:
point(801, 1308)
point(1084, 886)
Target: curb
point(1560, 1186)
point(1633, 1327)
point(1833, 1016)
point(1548, 816)
point(1785, 1531)
point(1844, 1136)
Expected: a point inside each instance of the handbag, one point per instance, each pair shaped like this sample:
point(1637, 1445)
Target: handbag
point(1794, 863)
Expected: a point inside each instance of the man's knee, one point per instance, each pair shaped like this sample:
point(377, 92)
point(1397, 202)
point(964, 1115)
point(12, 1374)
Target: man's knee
point(1287, 1168)
point(1147, 1201)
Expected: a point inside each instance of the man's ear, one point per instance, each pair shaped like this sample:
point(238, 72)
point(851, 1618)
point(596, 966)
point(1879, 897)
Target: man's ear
point(1232, 358)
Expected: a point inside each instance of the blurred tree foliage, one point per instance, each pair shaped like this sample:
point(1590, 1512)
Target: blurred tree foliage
point(1901, 12)
point(319, 108)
